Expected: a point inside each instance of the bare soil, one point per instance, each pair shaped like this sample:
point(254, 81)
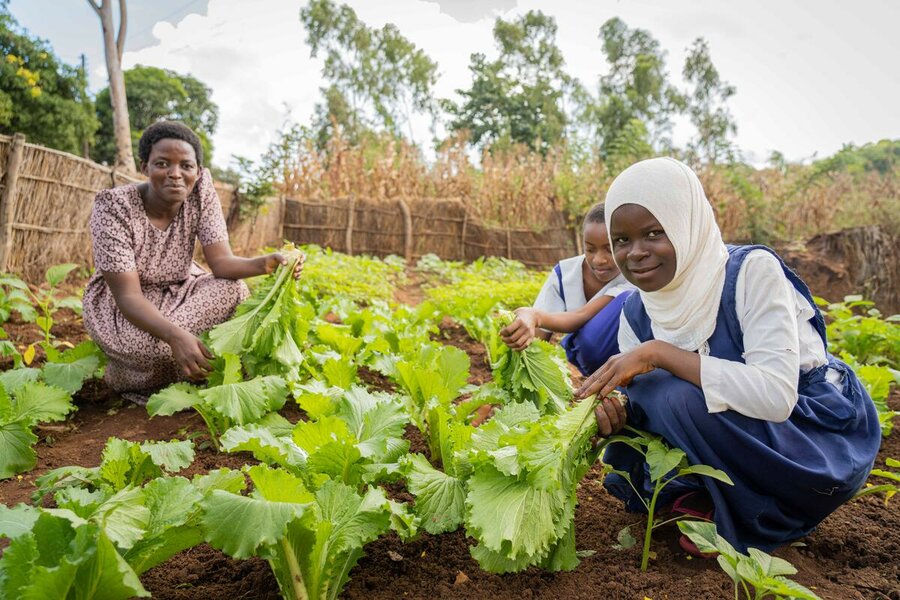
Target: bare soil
point(852, 555)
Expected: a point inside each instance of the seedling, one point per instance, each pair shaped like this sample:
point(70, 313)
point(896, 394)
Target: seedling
point(889, 489)
point(20, 297)
point(666, 465)
point(758, 574)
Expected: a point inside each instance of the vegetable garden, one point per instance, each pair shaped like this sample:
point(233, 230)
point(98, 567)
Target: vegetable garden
point(366, 434)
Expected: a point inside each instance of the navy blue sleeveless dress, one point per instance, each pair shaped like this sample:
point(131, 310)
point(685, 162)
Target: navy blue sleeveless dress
point(787, 476)
point(598, 339)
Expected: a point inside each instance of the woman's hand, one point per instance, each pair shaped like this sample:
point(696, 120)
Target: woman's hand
point(610, 415)
point(273, 260)
point(619, 370)
point(191, 356)
point(518, 334)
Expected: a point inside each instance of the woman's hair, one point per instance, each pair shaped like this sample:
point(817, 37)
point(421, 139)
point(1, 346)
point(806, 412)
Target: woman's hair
point(597, 214)
point(162, 130)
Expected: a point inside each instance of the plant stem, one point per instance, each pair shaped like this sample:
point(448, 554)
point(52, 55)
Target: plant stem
point(645, 556)
point(294, 568)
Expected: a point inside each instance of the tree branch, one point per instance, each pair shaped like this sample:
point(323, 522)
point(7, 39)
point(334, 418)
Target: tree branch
point(94, 6)
point(123, 23)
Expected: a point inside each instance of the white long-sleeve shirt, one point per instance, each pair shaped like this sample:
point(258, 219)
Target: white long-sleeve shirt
point(550, 299)
point(779, 343)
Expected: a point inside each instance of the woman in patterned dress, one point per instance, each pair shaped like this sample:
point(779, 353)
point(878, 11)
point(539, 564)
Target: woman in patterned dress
point(148, 300)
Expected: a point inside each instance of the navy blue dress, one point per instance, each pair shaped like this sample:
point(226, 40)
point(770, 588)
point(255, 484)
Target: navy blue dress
point(787, 476)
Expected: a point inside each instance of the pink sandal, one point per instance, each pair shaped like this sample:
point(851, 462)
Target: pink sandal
point(694, 504)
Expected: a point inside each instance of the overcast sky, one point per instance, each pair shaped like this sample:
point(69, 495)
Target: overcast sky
point(811, 75)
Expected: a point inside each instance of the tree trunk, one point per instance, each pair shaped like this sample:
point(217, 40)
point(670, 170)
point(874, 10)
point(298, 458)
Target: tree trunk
point(113, 46)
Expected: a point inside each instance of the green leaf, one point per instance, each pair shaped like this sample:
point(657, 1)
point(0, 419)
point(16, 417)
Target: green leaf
point(771, 566)
point(662, 459)
point(14, 379)
point(625, 538)
point(706, 471)
point(704, 535)
point(277, 485)
point(247, 401)
point(173, 399)
point(172, 456)
point(264, 446)
point(39, 402)
point(440, 499)
point(16, 520)
point(16, 452)
point(220, 479)
point(339, 372)
point(57, 273)
point(241, 526)
point(317, 398)
point(123, 517)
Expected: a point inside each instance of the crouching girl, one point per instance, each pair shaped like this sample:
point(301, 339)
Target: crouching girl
point(724, 355)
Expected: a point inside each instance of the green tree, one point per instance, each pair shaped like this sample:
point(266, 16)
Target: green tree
point(40, 95)
point(376, 77)
point(706, 106)
point(636, 87)
point(519, 97)
point(155, 94)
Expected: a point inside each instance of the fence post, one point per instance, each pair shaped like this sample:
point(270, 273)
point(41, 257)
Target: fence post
point(577, 236)
point(462, 242)
point(407, 230)
point(351, 213)
point(508, 243)
point(8, 198)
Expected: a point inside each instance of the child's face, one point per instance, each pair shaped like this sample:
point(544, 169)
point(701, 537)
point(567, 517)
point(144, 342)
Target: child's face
point(642, 248)
point(597, 253)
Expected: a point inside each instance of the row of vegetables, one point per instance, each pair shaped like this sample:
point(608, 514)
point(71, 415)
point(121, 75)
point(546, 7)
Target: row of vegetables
point(315, 496)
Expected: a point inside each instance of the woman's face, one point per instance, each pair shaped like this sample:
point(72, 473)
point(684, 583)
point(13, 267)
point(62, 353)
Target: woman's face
point(642, 248)
point(172, 169)
point(597, 253)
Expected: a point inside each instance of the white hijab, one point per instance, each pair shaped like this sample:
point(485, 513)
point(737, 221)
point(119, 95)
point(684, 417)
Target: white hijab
point(683, 313)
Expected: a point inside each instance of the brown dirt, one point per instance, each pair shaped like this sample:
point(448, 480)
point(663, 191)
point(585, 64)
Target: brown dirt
point(852, 555)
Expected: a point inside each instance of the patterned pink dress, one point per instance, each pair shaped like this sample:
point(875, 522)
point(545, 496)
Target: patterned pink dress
point(125, 240)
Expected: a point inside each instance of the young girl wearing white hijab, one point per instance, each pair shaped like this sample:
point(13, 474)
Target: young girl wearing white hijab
point(723, 353)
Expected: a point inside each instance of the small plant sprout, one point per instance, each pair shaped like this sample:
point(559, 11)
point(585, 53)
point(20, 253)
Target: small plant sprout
point(889, 489)
point(758, 574)
point(666, 464)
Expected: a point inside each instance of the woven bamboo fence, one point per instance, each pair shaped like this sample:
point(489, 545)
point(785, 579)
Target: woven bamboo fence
point(45, 203)
point(426, 226)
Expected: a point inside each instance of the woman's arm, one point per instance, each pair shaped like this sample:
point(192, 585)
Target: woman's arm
point(225, 265)
point(518, 334)
point(188, 351)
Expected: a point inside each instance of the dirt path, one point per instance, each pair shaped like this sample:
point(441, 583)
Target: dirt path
point(852, 555)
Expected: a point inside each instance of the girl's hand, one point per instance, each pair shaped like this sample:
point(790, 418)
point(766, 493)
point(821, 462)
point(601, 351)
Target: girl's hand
point(191, 356)
point(618, 370)
point(518, 334)
point(611, 416)
point(273, 260)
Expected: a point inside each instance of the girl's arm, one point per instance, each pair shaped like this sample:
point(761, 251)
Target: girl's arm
point(225, 265)
point(188, 351)
point(518, 334)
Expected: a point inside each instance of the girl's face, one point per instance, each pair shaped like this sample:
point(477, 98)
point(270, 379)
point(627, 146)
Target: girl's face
point(597, 253)
point(642, 248)
point(172, 169)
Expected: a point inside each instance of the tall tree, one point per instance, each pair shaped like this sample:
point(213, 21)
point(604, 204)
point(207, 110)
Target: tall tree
point(517, 98)
point(40, 95)
point(114, 47)
point(155, 94)
point(636, 87)
point(706, 105)
point(376, 77)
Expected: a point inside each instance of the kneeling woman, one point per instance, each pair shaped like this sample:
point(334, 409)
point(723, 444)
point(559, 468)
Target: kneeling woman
point(148, 301)
point(724, 355)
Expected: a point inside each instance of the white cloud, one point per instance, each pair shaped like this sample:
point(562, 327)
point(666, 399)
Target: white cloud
point(810, 76)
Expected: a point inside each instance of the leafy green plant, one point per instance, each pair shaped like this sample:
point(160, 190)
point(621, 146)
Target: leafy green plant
point(353, 436)
point(21, 408)
point(15, 295)
point(61, 556)
point(537, 374)
point(232, 402)
point(857, 328)
point(520, 505)
point(889, 489)
point(666, 465)
point(311, 539)
point(756, 573)
point(46, 300)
